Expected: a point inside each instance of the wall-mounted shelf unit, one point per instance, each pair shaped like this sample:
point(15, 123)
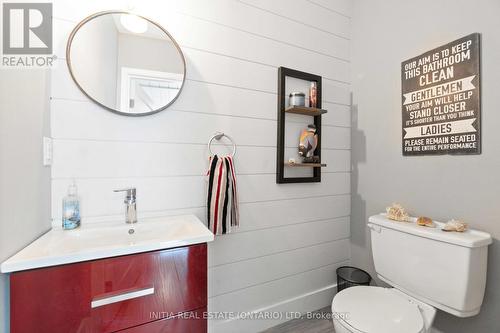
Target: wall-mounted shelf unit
point(283, 110)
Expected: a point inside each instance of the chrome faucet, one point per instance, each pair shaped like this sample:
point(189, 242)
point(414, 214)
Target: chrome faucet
point(130, 202)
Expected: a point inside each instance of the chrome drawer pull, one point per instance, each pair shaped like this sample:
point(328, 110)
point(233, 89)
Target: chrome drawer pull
point(122, 297)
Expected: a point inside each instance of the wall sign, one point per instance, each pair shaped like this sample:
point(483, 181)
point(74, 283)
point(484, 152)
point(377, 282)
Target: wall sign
point(441, 100)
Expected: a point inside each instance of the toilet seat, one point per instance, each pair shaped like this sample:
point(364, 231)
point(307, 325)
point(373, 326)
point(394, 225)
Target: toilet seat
point(377, 310)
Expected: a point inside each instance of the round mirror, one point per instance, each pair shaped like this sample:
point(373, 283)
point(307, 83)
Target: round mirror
point(126, 63)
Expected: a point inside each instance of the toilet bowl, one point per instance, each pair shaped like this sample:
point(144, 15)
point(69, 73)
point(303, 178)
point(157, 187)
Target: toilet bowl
point(365, 309)
point(428, 269)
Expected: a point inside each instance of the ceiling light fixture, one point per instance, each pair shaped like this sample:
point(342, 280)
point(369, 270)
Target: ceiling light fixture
point(134, 23)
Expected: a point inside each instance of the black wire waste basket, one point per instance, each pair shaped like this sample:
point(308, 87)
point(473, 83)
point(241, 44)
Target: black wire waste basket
point(348, 276)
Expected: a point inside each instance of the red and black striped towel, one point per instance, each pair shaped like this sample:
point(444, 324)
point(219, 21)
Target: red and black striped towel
point(222, 201)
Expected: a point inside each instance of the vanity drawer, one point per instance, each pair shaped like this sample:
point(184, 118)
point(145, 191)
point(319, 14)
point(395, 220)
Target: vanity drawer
point(109, 295)
point(128, 291)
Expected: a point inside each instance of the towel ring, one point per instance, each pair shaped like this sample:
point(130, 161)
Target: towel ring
point(217, 136)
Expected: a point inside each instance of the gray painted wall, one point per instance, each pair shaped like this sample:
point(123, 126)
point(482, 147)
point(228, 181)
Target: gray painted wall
point(24, 182)
point(385, 33)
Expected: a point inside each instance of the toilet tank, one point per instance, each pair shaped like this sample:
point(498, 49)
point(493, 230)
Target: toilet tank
point(444, 269)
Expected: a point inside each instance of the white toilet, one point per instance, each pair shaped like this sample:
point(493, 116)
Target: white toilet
point(427, 267)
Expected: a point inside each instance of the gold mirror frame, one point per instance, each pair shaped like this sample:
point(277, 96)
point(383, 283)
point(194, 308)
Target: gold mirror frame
point(96, 15)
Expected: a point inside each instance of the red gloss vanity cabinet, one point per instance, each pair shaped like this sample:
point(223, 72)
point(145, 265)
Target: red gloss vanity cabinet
point(159, 291)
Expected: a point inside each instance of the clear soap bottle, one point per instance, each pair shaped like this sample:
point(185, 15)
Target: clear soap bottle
point(71, 209)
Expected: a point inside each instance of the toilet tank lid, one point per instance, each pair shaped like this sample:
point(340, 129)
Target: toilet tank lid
point(469, 238)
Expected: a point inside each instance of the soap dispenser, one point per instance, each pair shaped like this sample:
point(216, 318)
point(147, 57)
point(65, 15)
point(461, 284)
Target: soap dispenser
point(71, 209)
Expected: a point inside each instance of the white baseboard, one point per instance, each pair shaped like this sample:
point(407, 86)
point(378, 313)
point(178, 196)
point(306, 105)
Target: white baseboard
point(310, 301)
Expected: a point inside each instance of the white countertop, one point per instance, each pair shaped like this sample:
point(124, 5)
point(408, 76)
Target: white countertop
point(103, 240)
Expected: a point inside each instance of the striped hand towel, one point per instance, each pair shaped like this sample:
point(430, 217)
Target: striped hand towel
point(222, 201)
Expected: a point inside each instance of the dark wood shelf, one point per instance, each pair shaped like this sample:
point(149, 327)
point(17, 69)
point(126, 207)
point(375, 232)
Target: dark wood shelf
point(305, 110)
point(305, 165)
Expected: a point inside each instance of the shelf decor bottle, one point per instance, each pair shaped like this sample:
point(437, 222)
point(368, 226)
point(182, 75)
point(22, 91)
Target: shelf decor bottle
point(313, 95)
point(71, 209)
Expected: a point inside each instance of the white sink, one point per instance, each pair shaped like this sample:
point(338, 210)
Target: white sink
point(96, 241)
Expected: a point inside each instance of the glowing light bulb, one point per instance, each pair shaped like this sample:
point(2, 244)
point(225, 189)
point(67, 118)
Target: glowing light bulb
point(134, 23)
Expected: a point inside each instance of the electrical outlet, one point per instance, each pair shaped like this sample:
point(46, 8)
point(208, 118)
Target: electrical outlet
point(47, 151)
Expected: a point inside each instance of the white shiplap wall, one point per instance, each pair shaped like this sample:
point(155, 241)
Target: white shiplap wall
point(292, 236)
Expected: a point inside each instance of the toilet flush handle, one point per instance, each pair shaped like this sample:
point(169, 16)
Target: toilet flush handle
point(374, 227)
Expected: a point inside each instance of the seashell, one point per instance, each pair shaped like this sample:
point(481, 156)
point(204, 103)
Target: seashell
point(396, 212)
point(425, 222)
point(455, 225)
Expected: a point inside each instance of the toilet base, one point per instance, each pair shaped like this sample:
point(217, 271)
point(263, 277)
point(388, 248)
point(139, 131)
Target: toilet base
point(340, 328)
